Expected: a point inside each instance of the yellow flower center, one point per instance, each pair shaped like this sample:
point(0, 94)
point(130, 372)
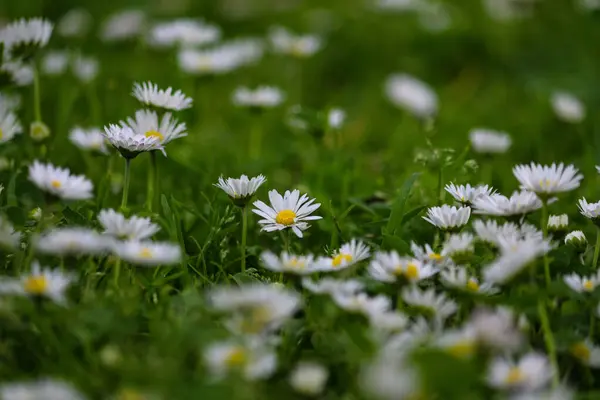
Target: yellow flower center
point(204, 64)
point(581, 351)
point(130, 394)
point(299, 48)
point(472, 285)
point(285, 217)
point(435, 257)
point(36, 284)
point(514, 376)
point(340, 259)
point(412, 271)
point(462, 348)
point(55, 184)
point(588, 285)
point(295, 263)
point(155, 134)
point(546, 183)
point(256, 320)
point(236, 357)
point(1, 133)
point(145, 252)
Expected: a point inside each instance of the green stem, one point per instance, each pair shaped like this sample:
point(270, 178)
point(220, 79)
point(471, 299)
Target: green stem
point(592, 323)
point(440, 185)
point(36, 94)
point(126, 185)
point(244, 233)
point(255, 140)
point(549, 340)
point(596, 249)
point(151, 181)
point(117, 272)
point(544, 224)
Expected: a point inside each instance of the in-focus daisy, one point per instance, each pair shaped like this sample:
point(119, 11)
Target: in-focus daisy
point(546, 180)
point(91, 139)
point(55, 63)
point(130, 144)
point(261, 97)
point(389, 266)
point(40, 282)
point(300, 46)
point(49, 389)
point(515, 255)
point(146, 123)
point(252, 361)
point(331, 285)
point(135, 228)
point(309, 378)
point(149, 94)
point(72, 241)
point(458, 278)
point(289, 263)
point(349, 254)
point(519, 203)
point(288, 211)
point(582, 284)
point(23, 37)
point(426, 255)
point(122, 25)
point(586, 352)
point(240, 190)
point(9, 238)
point(567, 107)
point(60, 182)
point(532, 372)
point(436, 305)
point(9, 126)
point(148, 253)
point(576, 239)
point(448, 218)
point(589, 210)
point(184, 32)
point(489, 141)
point(558, 223)
point(411, 94)
point(458, 245)
point(467, 194)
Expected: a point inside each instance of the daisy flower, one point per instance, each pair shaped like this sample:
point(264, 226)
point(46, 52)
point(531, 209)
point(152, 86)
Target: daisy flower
point(490, 231)
point(9, 126)
point(467, 194)
point(135, 228)
point(460, 244)
point(558, 223)
point(389, 377)
point(288, 211)
point(412, 95)
point(75, 23)
point(567, 107)
point(91, 139)
point(589, 210)
point(458, 278)
point(253, 362)
point(289, 263)
point(184, 32)
point(85, 68)
point(261, 97)
point(489, 141)
point(519, 203)
point(576, 239)
point(40, 282)
point(459, 343)
point(437, 305)
point(546, 180)
point(146, 123)
point(496, 329)
point(586, 352)
point(60, 182)
point(240, 190)
point(532, 372)
point(23, 37)
point(331, 286)
point(349, 254)
point(71, 241)
point(9, 238)
point(582, 284)
point(514, 257)
point(148, 253)
point(336, 118)
point(302, 46)
point(130, 144)
point(212, 61)
point(361, 303)
point(149, 94)
point(388, 267)
point(122, 25)
point(55, 63)
point(309, 378)
point(41, 389)
point(448, 218)
point(426, 255)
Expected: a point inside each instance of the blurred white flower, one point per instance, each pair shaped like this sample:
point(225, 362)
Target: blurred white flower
point(519, 203)
point(289, 263)
point(496, 329)
point(582, 284)
point(437, 305)
point(362, 303)
point(389, 266)
point(302, 46)
point(9, 126)
point(389, 377)
point(47, 389)
point(261, 97)
point(75, 23)
point(331, 286)
point(589, 210)
point(149, 94)
point(546, 180)
point(460, 343)
point(411, 94)
point(134, 228)
point(9, 238)
point(91, 139)
point(251, 361)
point(22, 37)
point(184, 32)
point(507, 10)
point(448, 218)
point(349, 254)
point(85, 68)
point(427, 256)
point(71, 241)
point(336, 118)
point(485, 140)
point(567, 107)
point(531, 372)
point(458, 244)
point(148, 253)
point(55, 62)
point(467, 194)
point(17, 72)
point(458, 278)
point(41, 282)
point(586, 352)
point(222, 59)
point(309, 378)
point(129, 143)
point(60, 182)
point(123, 25)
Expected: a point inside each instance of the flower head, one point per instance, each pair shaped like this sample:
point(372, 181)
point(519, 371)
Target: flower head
point(148, 253)
point(301, 46)
point(240, 190)
point(458, 278)
point(288, 211)
point(586, 353)
point(589, 210)
point(558, 223)
point(60, 182)
point(460, 343)
point(331, 286)
point(149, 94)
point(426, 255)
point(289, 263)
point(9, 238)
point(135, 228)
point(532, 372)
point(55, 62)
point(220, 60)
point(184, 32)
point(349, 254)
point(546, 180)
point(261, 97)
point(130, 144)
point(122, 25)
point(515, 255)
point(576, 239)
point(467, 194)
point(9, 125)
point(437, 305)
point(489, 141)
point(40, 282)
point(89, 139)
point(361, 303)
point(458, 245)
point(388, 267)
point(23, 37)
point(582, 284)
point(496, 329)
point(72, 241)
point(75, 23)
point(146, 123)
point(41, 389)
point(448, 218)
point(309, 378)
point(253, 361)
point(336, 118)
point(519, 203)
point(567, 107)
point(85, 68)
point(411, 94)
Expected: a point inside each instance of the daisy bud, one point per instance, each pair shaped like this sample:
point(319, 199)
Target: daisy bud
point(5, 163)
point(576, 239)
point(110, 355)
point(558, 223)
point(309, 378)
point(241, 190)
point(39, 131)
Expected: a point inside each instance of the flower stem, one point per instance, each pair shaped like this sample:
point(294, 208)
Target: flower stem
point(549, 340)
point(544, 224)
point(592, 323)
point(126, 185)
point(255, 140)
point(596, 249)
point(36, 94)
point(151, 181)
point(440, 185)
point(117, 272)
point(244, 233)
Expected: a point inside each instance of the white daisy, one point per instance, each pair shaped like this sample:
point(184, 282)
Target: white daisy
point(437, 305)
point(9, 126)
point(467, 194)
point(48, 389)
point(240, 190)
point(496, 329)
point(490, 231)
point(458, 244)
point(582, 284)
point(576, 239)
point(388, 322)
point(91, 139)
point(184, 32)
point(146, 123)
point(149, 94)
point(336, 118)
point(130, 144)
point(60, 182)
point(40, 282)
point(55, 63)
point(9, 238)
point(388, 267)
point(71, 241)
point(301, 46)
point(567, 107)
point(135, 228)
point(22, 37)
point(75, 23)
point(309, 378)
point(16, 72)
point(448, 218)
point(85, 68)
point(557, 223)
point(389, 377)
point(362, 303)
point(122, 25)
point(331, 285)
point(212, 61)
point(10, 102)
point(349, 254)
point(519, 203)
point(411, 94)
point(489, 141)
point(252, 361)
point(547, 180)
point(289, 263)
point(261, 97)
point(288, 211)
point(427, 256)
point(461, 343)
point(458, 278)
point(148, 253)
point(586, 352)
point(515, 255)
point(532, 372)
point(589, 210)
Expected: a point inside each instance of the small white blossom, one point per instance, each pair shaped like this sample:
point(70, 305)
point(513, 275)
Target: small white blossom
point(25, 35)
point(149, 94)
point(519, 203)
point(261, 97)
point(252, 361)
point(577, 239)
point(9, 238)
point(515, 255)
point(361, 303)
point(496, 329)
point(91, 139)
point(567, 107)
point(467, 194)
point(458, 278)
point(458, 244)
point(349, 254)
point(389, 266)
point(582, 284)
point(55, 63)
point(40, 282)
point(289, 263)
point(411, 94)
point(130, 144)
point(302, 46)
point(123, 25)
point(72, 241)
point(135, 228)
point(586, 352)
point(558, 222)
point(60, 182)
point(532, 372)
point(489, 141)
point(148, 253)
point(9, 126)
point(47, 389)
point(309, 378)
point(85, 68)
point(241, 189)
point(331, 286)
point(589, 210)
point(336, 118)
point(546, 180)
point(448, 217)
point(427, 256)
point(184, 32)
point(437, 305)
point(75, 23)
